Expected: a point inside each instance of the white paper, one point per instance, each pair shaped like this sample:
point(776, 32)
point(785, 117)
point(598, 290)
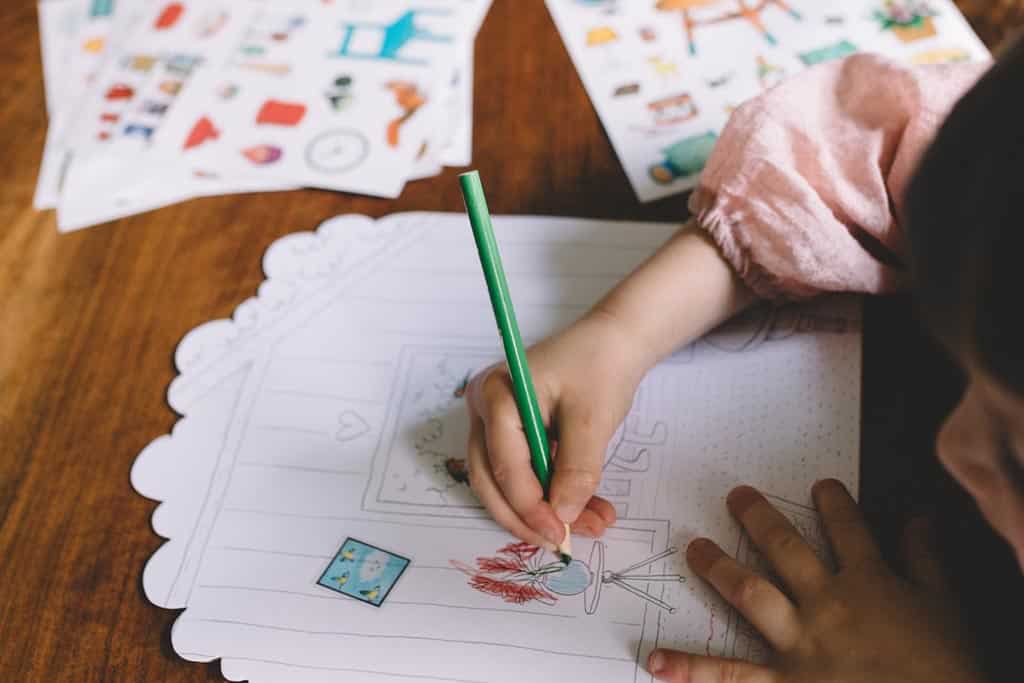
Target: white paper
point(75, 38)
point(663, 97)
point(459, 149)
point(136, 151)
point(328, 408)
point(296, 123)
point(112, 171)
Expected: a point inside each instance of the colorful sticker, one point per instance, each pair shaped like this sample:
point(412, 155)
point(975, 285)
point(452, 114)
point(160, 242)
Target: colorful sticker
point(120, 91)
point(409, 98)
point(170, 16)
point(843, 48)
point(750, 14)
point(908, 20)
point(393, 38)
point(951, 55)
point(340, 94)
point(279, 113)
point(364, 572)
point(203, 131)
point(262, 155)
point(685, 158)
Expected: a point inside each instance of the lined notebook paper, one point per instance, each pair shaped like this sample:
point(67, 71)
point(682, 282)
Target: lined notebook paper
point(313, 493)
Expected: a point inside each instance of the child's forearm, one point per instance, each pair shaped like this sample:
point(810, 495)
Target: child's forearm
point(681, 292)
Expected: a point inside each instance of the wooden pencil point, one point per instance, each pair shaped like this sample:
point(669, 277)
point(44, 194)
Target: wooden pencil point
point(565, 548)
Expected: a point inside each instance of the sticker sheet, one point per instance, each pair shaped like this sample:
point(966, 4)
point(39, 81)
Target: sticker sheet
point(75, 38)
point(178, 99)
point(148, 70)
point(325, 97)
point(664, 75)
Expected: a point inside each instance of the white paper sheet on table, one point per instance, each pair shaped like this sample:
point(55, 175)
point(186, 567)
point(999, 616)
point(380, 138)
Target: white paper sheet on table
point(74, 40)
point(397, 60)
point(328, 408)
point(121, 174)
point(664, 75)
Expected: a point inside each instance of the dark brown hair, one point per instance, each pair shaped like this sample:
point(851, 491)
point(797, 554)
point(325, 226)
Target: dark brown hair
point(965, 224)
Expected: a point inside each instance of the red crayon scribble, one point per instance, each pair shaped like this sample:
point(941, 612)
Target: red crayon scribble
point(509, 591)
point(514, 575)
point(497, 565)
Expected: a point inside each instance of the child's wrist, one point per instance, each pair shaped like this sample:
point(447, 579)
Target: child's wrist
point(633, 352)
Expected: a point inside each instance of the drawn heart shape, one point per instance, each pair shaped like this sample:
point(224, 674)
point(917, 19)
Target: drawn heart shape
point(352, 426)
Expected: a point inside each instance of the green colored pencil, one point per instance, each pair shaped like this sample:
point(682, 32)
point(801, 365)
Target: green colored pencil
point(515, 354)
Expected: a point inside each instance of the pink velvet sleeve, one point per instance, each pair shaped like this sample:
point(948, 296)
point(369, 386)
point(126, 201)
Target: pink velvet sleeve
point(802, 191)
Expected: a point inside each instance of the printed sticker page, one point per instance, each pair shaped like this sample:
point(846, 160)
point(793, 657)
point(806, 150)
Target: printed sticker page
point(664, 75)
point(315, 495)
point(339, 97)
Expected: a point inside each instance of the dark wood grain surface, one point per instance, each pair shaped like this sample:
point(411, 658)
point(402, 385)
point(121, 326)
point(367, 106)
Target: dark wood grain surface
point(89, 321)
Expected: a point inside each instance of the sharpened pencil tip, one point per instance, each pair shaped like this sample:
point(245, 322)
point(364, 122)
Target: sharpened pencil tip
point(565, 548)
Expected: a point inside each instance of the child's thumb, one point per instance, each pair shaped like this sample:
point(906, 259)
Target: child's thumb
point(578, 461)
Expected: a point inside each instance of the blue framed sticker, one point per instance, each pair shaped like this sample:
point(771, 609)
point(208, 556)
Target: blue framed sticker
point(364, 572)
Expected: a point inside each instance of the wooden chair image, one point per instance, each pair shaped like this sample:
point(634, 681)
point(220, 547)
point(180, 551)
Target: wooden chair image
point(740, 9)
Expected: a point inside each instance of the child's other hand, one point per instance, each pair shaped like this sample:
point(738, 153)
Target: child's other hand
point(585, 380)
point(861, 624)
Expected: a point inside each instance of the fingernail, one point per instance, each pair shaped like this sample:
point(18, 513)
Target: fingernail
point(568, 513)
point(741, 498)
point(656, 662)
point(553, 534)
point(701, 554)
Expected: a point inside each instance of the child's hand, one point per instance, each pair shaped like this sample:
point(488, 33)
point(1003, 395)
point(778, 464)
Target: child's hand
point(861, 624)
point(585, 379)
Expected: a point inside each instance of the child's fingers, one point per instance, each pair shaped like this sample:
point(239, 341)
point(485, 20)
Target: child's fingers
point(582, 442)
point(921, 556)
point(508, 455)
point(486, 489)
point(852, 543)
point(776, 538)
point(753, 596)
point(596, 517)
point(679, 667)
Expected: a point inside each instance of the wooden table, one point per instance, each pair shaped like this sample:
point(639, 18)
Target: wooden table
point(90, 320)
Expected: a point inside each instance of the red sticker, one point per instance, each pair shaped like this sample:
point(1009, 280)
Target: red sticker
point(110, 118)
point(281, 113)
point(170, 16)
point(120, 91)
point(203, 131)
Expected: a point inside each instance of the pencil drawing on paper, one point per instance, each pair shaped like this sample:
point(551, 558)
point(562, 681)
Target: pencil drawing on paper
point(351, 426)
point(629, 461)
point(520, 573)
point(631, 451)
point(750, 330)
point(423, 455)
